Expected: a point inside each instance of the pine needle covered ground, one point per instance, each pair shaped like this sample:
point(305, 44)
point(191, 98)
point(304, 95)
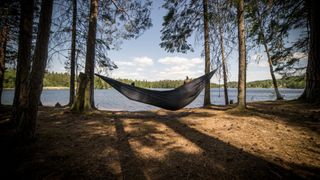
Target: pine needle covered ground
point(272, 140)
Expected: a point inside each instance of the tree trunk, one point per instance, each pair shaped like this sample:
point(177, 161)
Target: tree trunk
point(80, 103)
point(90, 59)
point(27, 123)
point(73, 53)
point(224, 68)
point(274, 80)
point(24, 57)
point(242, 57)
point(207, 100)
point(312, 90)
point(3, 46)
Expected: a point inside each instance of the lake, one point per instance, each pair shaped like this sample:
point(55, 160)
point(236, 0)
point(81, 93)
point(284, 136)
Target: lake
point(110, 99)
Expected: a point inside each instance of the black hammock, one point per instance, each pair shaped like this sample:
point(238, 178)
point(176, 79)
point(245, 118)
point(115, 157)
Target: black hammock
point(172, 99)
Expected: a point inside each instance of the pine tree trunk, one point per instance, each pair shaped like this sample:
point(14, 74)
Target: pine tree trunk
point(80, 104)
point(73, 53)
point(274, 80)
point(224, 68)
point(90, 59)
point(3, 46)
point(242, 57)
point(207, 100)
point(24, 57)
point(312, 90)
point(27, 119)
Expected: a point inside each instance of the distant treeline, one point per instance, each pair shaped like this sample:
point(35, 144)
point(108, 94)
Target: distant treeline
point(294, 82)
point(53, 79)
point(50, 79)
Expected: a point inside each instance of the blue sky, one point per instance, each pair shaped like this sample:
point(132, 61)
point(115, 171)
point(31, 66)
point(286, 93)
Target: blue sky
point(143, 58)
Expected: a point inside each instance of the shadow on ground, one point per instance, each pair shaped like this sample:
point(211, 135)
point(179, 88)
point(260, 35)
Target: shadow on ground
point(139, 145)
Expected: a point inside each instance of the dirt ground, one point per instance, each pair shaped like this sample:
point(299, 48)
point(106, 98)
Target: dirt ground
point(271, 140)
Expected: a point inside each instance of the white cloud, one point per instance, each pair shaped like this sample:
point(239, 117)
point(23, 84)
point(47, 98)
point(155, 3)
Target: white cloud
point(140, 69)
point(180, 67)
point(126, 75)
point(137, 62)
point(124, 63)
point(175, 60)
point(299, 55)
point(258, 60)
point(143, 61)
point(172, 60)
point(173, 68)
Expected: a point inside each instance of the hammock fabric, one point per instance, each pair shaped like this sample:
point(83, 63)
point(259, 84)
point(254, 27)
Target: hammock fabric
point(171, 100)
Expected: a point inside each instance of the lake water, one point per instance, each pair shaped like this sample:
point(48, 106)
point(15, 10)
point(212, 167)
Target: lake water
point(110, 99)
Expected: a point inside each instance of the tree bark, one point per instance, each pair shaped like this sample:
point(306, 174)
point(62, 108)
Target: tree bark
point(207, 100)
point(264, 42)
point(274, 80)
point(82, 92)
point(90, 61)
point(73, 53)
point(90, 57)
point(27, 123)
point(312, 90)
point(24, 57)
point(3, 46)
point(224, 68)
point(242, 57)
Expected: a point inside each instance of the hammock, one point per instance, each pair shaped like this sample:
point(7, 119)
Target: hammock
point(171, 99)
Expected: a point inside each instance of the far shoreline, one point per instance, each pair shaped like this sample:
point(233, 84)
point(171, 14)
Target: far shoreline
point(46, 88)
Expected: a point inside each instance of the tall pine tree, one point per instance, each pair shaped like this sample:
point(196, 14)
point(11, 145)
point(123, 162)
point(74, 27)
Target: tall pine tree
point(28, 116)
point(264, 23)
point(184, 18)
point(242, 56)
point(312, 90)
point(117, 20)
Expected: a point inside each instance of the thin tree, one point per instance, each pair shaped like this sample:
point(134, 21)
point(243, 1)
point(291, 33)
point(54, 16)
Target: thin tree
point(242, 56)
point(73, 52)
point(182, 20)
point(223, 36)
point(224, 67)
point(3, 45)
point(262, 21)
point(85, 95)
point(118, 20)
point(207, 100)
point(27, 119)
point(8, 14)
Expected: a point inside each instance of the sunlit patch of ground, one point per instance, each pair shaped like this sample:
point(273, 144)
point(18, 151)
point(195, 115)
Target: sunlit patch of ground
point(271, 140)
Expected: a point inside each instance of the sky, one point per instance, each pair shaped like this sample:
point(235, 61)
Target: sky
point(144, 59)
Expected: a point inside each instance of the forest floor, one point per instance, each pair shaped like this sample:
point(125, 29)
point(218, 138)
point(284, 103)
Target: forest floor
point(271, 140)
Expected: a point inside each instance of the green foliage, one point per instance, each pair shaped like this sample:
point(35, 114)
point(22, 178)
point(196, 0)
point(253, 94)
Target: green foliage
point(183, 18)
point(53, 79)
point(270, 23)
point(9, 79)
point(294, 82)
point(56, 80)
point(50, 79)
